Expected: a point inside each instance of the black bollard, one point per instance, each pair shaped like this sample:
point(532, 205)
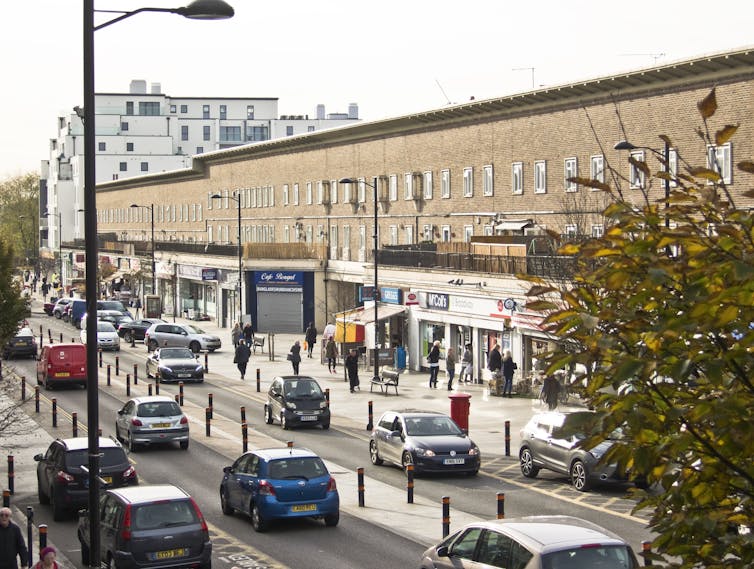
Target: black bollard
point(36, 399)
point(445, 516)
point(29, 528)
point(245, 436)
point(100, 357)
point(49, 335)
point(209, 405)
point(410, 483)
point(370, 422)
point(500, 505)
point(206, 363)
point(42, 537)
point(207, 419)
point(243, 414)
point(259, 380)
point(327, 396)
point(646, 550)
point(6, 498)
point(157, 386)
point(136, 374)
point(61, 337)
point(128, 385)
point(54, 412)
point(75, 424)
point(360, 482)
point(23, 388)
point(149, 390)
point(133, 340)
point(507, 438)
point(11, 475)
point(117, 366)
point(180, 393)
point(108, 375)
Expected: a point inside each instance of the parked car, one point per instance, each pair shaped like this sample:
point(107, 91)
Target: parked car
point(296, 400)
point(532, 542)
point(141, 527)
point(431, 441)
point(59, 308)
point(114, 317)
point(277, 483)
point(62, 364)
point(554, 441)
point(22, 344)
point(135, 329)
point(107, 336)
point(112, 305)
point(63, 483)
point(49, 305)
point(74, 311)
point(153, 419)
point(164, 335)
point(175, 364)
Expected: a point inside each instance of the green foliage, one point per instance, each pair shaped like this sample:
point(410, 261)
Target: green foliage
point(12, 305)
point(661, 313)
point(19, 214)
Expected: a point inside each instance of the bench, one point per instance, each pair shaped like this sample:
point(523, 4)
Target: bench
point(257, 342)
point(388, 378)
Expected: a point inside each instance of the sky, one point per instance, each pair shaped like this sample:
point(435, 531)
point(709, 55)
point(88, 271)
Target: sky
point(392, 58)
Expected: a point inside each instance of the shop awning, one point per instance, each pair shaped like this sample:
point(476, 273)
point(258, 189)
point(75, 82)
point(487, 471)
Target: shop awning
point(514, 225)
point(363, 315)
point(118, 275)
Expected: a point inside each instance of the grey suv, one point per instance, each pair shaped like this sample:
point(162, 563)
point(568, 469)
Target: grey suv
point(148, 526)
point(165, 335)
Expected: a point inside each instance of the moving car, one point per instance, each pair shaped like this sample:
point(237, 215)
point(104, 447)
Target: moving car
point(553, 441)
point(114, 317)
point(279, 483)
point(151, 419)
point(49, 305)
point(64, 484)
point(62, 364)
point(135, 329)
point(431, 441)
point(22, 344)
point(107, 336)
point(112, 305)
point(164, 335)
point(60, 305)
point(296, 400)
point(174, 364)
point(533, 542)
point(148, 526)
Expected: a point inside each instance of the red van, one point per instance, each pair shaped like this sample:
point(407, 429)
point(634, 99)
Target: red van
point(62, 364)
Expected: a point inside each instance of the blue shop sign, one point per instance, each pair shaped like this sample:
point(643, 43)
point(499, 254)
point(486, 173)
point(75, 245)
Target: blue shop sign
point(209, 274)
point(279, 278)
point(437, 300)
point(391, 295)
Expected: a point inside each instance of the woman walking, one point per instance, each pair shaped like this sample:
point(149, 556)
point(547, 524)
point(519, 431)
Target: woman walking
point(311, 338)
point(295, 356)
point(352, 367)
point(243, 353)
point(331, 351)
point(433, 358)
point(236, 334)
point(509, 366)
point(450, 367)
point(467, 366)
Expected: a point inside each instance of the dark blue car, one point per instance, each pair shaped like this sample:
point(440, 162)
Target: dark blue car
point(276, 483)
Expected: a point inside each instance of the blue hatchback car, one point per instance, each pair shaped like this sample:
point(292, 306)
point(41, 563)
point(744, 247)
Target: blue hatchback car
point(274, 483)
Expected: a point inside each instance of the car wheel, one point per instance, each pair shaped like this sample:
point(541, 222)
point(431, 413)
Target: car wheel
point(48, 387)
point(128, 337)
point(226, 508)
point(283, 422)
point(151, 345)
point(331, 520)
point(580, 476)
point(195, 347)
point(374, 454)
point(132, 446)
point(527, 464)
point(407, 459)
point(57, 315)
point(84, 553)
point(326, 426)
point(58, 512)
point(257, 521)
point(184, 445)
point(268, 415)
point(44, 497)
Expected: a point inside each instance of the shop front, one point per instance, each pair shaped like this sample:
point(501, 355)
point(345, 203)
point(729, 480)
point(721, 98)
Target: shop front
point(197, 292)
point(282, 301)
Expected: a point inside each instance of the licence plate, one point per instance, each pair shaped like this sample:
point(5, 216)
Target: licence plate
point(304, 508)
point(184, 375)
point(454, 461)
point(21, 344)
point(62, 374)
point(160, 425)
point(308, 417)
point(168, 554)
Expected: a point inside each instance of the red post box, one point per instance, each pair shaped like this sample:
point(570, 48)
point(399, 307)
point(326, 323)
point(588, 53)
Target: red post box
point(459, 409)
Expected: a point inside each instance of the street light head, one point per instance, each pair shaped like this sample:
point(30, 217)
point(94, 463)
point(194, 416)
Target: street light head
point(349, 181)
point(207, 10)
point(216, 197)
point(624, 145)
point(135, 205)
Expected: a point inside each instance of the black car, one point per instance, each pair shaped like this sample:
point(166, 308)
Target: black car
point(430, 441)
point(63, 483)
point(174, 364)
point(136, 328)
point(22, 344)
point(296, 400)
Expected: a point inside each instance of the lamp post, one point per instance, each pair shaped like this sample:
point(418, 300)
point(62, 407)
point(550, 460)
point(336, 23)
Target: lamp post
point(150, 207)
point(198, 9)
point(236, 197)
point(663, 157)
point(60, 240)
point(375, 291)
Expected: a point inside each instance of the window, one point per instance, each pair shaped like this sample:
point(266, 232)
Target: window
point(285, 194)
point(570, 170)
point(123, 167)
point(468, 233)
point(468, 182)
point(488, 181)
point(205, 111)
point(517, 177)
point(333, 191)
point(102, 146)
point(295, 194)
point(249, 111)
point(129, 107)
point(223, 112)
point(393, 231)
point(123, 126)
point(184, 132)
point(129, 146)
point(184, 109)
point(230, 134)
point(309, 193)
point(205, 132)
point(571, 229)
point(427, 233)
point(598, 230)
point(363, 190)
point(597, 168)
point(540, 177)
point(149, 108)
point(408, 186)
point(446, 233)
point(289, 130)
point(310, 128)
point(408, 234)
point(427, 183)
point(173, 109)
point(445, 184)
point(145, 166)
point(392, 187)
point(257, 133)
point(199, 149)
point(719, 160)
point(636, 175)
point(673, 166)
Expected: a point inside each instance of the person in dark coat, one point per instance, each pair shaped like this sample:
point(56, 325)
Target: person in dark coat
point(311, 337)
point(243, 353)
point(295, 356)
point(508, 367)
point(495, 361)
point(433, 358)
point(248, 333)
point(331, 351)
point(352, 367)
point(12, 545)
point(236, 334)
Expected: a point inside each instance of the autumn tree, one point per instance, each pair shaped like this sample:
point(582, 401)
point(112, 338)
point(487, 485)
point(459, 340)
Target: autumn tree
point(661, 313)
point(19, 214)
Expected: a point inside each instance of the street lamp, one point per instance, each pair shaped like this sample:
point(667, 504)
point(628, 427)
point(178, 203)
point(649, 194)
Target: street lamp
point(236, 197)
point(375, 291)
point(60, 239)
point(198, 9)
point(663, 157)
point(150, 207)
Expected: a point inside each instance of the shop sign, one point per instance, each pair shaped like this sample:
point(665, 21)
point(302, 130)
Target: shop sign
point(390, 295)
point(278, 278)
point(438, 301)
point(209, 274)
point(366, 292)
point(412, 299)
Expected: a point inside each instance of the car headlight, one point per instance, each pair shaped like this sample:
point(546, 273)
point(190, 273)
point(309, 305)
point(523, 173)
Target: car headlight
point(290, 404)
point(322, 404)
point(166, 368)
point(199, 367)
point(424, 452)
point(473, 451)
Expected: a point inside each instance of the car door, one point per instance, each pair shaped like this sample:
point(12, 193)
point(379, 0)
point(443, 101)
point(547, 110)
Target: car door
point(275, 398)
point(153, 362)
point(462, 552)
point(46, 469)
point(178, 337)
point(562, 441)
point(110, 513)
point(123, 418)
point(241, 482)
point(539, 429)
point(394, 440)
point(42, 363)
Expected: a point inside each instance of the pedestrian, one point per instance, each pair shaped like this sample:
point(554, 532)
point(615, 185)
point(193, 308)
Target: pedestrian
point(137, 306)
point(352, 367)
point(311, 337)
point(47, 558)
point(235, 334)
point(248, 333)
point(294, 356)
point(508, 367)
point(331, 351)
point(467, 366)
point(433, 358)
point(450, 366)
point(12, 544)
point(495, 361)
point(241, 359)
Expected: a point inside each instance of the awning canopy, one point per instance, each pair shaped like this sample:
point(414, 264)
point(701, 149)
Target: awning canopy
point(514, 225)
point(117, 275)
point(363, 315)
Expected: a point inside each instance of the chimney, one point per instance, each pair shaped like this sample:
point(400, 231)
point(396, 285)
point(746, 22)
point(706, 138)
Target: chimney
point(320, 112)
point(353, 111)
point(138, 87)
point(156, 89)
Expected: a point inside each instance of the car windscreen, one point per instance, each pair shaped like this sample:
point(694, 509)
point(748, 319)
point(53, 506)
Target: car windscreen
point(298, 467)
point(164, 514)
point(105, 327)
point(194, 329)
point(604, 557)
point(431, 426)
point(109, 456)
point(159, 409)
point(176, 354)
point(303, 388)
point(111, 305)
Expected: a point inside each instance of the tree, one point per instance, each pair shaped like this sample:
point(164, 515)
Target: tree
point(661, 313)
point(12, 306)
point(19, 212)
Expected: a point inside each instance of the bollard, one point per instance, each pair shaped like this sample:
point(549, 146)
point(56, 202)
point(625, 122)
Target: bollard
point(259, 380)
point(23, 388)
point(206, 362)
point(507, 438)
point(11, 475)
point(128, 385)
point(445, 516)
point(29, 531)
point(500, 505)
point(6, 498)
point(245, 436)
point(370, 422)
point(36, 398)
point(117, 365)
point(157, 386)
point(133, 340)
point(61, 337)
point(289, 444)
point(327, 396)
point(75, 424)
point(42, 537)
point(209, 405)
point(136, 374)
point(207, 418)
point(646, 550)
point(54, 412)
point(49, 335)
point(108, 375)
point(360, 480)
point(149, 390)
point(410, 483)
point(180, 393)
point(243, 414)
point(41, 332)
point(100, 357)
point(41, 342)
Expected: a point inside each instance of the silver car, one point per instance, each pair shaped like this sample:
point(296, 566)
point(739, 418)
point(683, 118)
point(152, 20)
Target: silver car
point(174, 364)
point(533, 542)
point(166, 335)
point(150, 420)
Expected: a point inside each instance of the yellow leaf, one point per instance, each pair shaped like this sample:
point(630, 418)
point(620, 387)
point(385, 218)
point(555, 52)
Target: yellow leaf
point(708, 105)
point(705, 173)
point(746, 166)
point(724, 134)
point(729, 314)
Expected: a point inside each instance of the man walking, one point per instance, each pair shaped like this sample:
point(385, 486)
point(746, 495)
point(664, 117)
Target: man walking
point(12, 546)
point(311, 338)
point(352, 367)
point(243, 353)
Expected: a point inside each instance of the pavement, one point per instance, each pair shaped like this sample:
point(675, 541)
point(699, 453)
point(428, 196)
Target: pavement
point(385, 505)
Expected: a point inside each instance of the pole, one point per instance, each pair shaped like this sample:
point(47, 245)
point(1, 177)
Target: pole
point(60, 245)
point(154, 273)
point(375, 291)
point(240, 260)
point(667, 182)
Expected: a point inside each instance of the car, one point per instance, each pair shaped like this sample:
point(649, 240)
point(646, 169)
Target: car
point(62, 480)
point(107, 336)
point(148, 526)
point(431, 441)
point(135, 329)
point(153, 419)
point(531, 542)
point(74, 311)
point(49, 305)
point(164, 335)
point(112, 305)
point(553, 441)
point(57, 310)
point(23, 343)
point(174, 364)
point(114, 317)
point(62, 364)
point(296, 400)
point(275, 483)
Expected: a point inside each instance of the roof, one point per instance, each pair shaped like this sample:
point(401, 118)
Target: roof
point(139, 494)
point(80, 443)
point(152, 399)
point(364, 315)
point(284, 452)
